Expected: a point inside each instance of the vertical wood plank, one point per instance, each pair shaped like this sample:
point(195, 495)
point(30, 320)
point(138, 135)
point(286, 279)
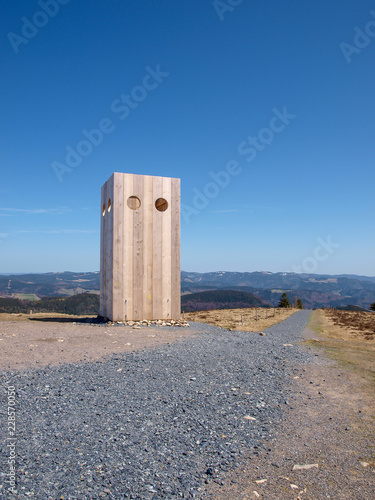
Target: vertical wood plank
point(166, 250)
point(175, 250)
point(157, 250)
point(147, 246)
point(138, 250)
point(109, 253)
point(117, 207)
point(127, 295)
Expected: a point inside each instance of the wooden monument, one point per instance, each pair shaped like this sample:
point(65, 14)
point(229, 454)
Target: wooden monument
point(140, 248)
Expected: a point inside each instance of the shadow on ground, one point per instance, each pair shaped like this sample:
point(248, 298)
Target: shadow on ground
point(83, 319)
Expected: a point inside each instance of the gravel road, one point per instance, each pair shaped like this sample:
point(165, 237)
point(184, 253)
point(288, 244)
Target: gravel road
point(157, 423)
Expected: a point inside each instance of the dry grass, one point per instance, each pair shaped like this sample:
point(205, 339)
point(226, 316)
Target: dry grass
point(52, 316)
point(348, 337)
point(358, 325)
point(248, 320)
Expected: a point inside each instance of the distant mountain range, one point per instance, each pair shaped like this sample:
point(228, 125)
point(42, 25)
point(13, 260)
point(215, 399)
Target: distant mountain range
point(36, 286)
point(314, 290)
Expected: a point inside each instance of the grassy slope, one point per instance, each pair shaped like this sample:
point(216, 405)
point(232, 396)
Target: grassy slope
point(347, 347)
point(248, 320)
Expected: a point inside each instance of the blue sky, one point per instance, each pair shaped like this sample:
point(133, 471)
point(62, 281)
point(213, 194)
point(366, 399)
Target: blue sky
point(278, 95)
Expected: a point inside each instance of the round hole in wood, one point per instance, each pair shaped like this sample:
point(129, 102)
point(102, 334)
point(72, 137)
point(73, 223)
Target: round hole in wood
point(109, 204)
point(103, 211)
point(134, 202)
point(161, 204)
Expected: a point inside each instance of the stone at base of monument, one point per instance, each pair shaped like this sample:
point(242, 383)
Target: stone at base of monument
point(145, 323)
point(140, 248)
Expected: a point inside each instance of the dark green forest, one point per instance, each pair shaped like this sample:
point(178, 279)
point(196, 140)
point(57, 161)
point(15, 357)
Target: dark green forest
point(83, 303)
point(220, 299)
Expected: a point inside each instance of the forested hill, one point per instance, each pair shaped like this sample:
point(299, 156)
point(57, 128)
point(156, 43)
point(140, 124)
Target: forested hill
point(220, 299)
point(313, 289)
point(84, 303)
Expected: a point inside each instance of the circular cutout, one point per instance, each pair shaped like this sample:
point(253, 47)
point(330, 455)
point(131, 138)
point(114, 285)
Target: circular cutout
point(103, 211)
point(134, 202)
point(161, 204)
point(109, 204)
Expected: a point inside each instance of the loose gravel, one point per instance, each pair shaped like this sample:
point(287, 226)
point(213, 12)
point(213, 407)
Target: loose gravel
point(151, 424)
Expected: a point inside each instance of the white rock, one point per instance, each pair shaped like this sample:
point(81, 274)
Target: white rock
point(304, 467)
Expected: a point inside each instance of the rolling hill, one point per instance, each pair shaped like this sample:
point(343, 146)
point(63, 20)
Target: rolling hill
point(49, 284)
point(220, 299)
point(313, 289)
point(84, 303)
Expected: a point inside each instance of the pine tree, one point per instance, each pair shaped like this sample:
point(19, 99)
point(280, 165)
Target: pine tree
point(372, 307)
point(284, 301)
point(299, 304)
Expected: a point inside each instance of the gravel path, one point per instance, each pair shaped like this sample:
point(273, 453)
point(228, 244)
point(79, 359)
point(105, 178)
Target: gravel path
point(151, 424)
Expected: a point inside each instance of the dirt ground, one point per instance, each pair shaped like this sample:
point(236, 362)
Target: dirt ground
point(348, 338)
point(37, 340)
point(329, 427)
point(248, 320)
